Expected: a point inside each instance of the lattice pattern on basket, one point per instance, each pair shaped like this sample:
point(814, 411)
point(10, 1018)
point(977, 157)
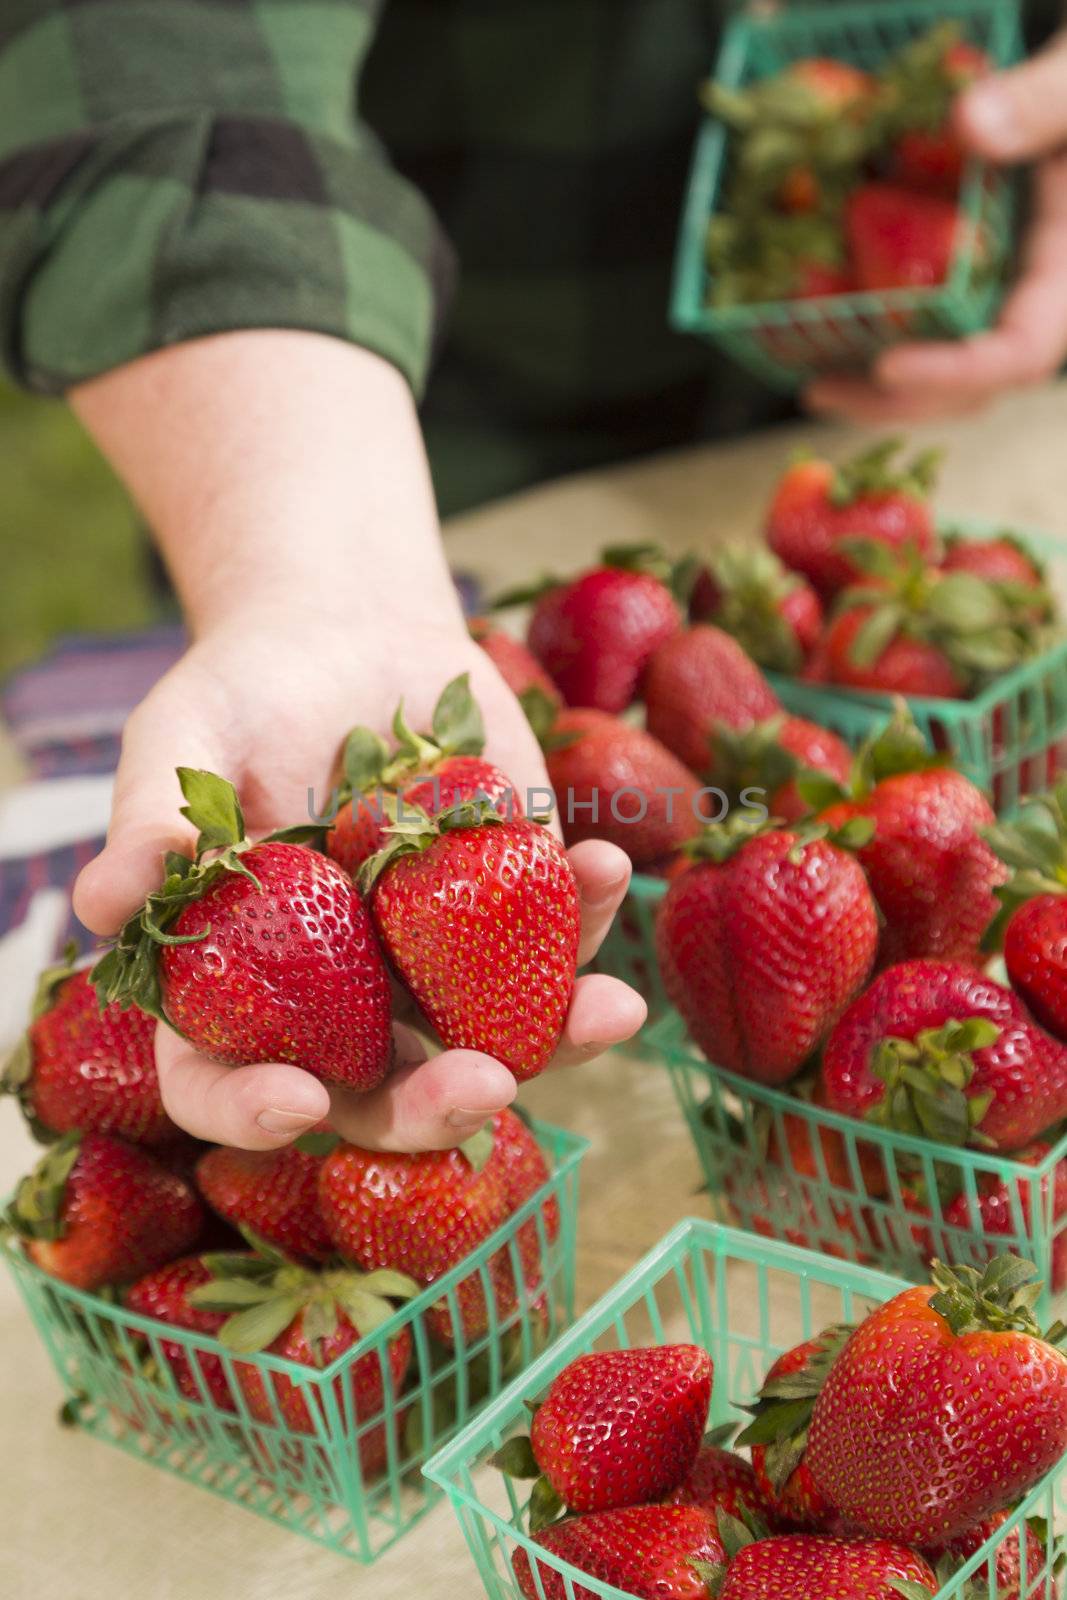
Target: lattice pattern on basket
point(353, 1482)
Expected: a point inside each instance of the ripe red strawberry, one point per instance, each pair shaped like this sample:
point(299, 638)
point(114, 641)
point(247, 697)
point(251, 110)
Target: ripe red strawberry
point(480, 920)
point(767, 760)
point(803, 1567)
point(917, 101)
point(779, 1434)
point(702, 678)
point(79, 1067)
point(903, 665)
point(721, 1480)
point(617, 1428)
point(1032, 923)
point(902, 239)
point(763, 944)
point(263, 953)
point(771, 1203)
point(520, 1165)
point(928, 865)
point(997, 1216)
point(517, 665)
point(616, 782)
point(817, 508)
point(164, 1294)
point(835, 85)
point(646, 1551)
point(945, 1405)
point(430, 771)
point(594, 635)
point(96, 1211)
point(1004, 559)
point(311, 1318)
point(937, 1048)
point(820, 1153)
point(273, 1193)
point(774, 614)
point(1008, 1560)
point(422, 1215)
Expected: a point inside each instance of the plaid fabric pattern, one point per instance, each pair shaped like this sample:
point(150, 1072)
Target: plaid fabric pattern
point(170, 168)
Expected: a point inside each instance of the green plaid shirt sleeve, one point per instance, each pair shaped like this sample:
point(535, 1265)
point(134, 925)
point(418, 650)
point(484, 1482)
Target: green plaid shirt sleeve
point(175, 168)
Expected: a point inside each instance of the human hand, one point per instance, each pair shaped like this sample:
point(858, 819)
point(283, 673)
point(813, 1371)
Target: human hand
point(266, 699)
point(1015, 116)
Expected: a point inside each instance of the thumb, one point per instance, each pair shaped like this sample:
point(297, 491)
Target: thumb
point(1019, 114)
point(145, 813)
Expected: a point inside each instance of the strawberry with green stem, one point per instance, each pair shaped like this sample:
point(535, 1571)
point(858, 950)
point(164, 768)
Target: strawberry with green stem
point(946, 1405)
point(163, 1295)
point(696, 683)
point(769, 760)
point(96, 1210)
point(773, 613)
point(428, 772)
point(256, 952)
point(312, 1317)
point(274, 1193)
point(778, 1434)
point(929, 867)
point(80, 1067)
point(763, 943)
point(1031, 924)
point(914, 629)
point(616, 1428)
point(914, 110)
point(480, 919)
point(938, 1049)
point(818, 508)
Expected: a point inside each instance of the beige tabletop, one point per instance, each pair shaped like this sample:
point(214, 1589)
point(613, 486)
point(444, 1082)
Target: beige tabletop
point(85, 1522)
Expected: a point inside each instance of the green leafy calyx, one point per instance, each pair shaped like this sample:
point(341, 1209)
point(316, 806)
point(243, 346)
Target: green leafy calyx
point(783, 1410)
point(36, 1209)
point(927, 1081)
point(999, 1299)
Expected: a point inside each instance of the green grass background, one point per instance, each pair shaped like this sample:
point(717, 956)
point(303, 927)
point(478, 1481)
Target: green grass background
point(73, 557)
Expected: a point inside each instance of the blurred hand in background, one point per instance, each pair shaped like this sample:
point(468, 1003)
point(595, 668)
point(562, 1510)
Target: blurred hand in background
point(1012, 118)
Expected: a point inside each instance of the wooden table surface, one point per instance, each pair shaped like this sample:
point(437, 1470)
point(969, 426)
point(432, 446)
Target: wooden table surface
point(84, 1521)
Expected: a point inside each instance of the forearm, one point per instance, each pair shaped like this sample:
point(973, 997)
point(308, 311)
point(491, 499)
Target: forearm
point(278, 470)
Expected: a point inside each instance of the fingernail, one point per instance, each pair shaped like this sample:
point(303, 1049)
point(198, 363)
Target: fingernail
point(992, 112)
point(275, 1120)
point(470, 1121)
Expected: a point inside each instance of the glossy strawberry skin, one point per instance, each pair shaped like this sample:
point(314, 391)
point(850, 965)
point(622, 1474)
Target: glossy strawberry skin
point(806, 529)
point(608, 756)
point(1008, 1561)
point(356, 833)
point(164, 1295)
point(459, 778)
point(643, 1550)
point(801, 938)
point(517, 665)
point(95, 1070)
point(519, 1163)
point(818, 750)
point(900, 238)
point(799, 1503)
point(905, 666)
point(929, 868)
point(123, 1215)
point(722, 1480)
point(1035, 954)
point(623, 1427)
point(289, 971)
point(698, 679)
point(482, 927)
point(421, 1214)
point(275, 1193)
point(919, 1433)
point(594, 637)
point(359, 1390)
point(802, 1567)
point(1025, 1069)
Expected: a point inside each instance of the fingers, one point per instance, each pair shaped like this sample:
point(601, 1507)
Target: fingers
point(1019, 114)
point(604, 1012)
point(869, 403)
point(145, 819)
point(603, 874)
point(253, 1108)
point(428, 1105)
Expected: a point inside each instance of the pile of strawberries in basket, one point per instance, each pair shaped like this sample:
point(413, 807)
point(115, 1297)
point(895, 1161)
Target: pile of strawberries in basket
point(869, 1474)
point(843, 180)
point(271, 952)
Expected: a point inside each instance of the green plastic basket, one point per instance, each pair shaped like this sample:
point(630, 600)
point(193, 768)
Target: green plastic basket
point(871, 1216)
point(787, 342)
point(120, 1387)
point(746, 1300)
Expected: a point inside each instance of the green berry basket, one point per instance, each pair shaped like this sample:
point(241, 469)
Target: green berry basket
point(892, 1201)
point(746, 1300)
point(787, 342)
point(354, 1484)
